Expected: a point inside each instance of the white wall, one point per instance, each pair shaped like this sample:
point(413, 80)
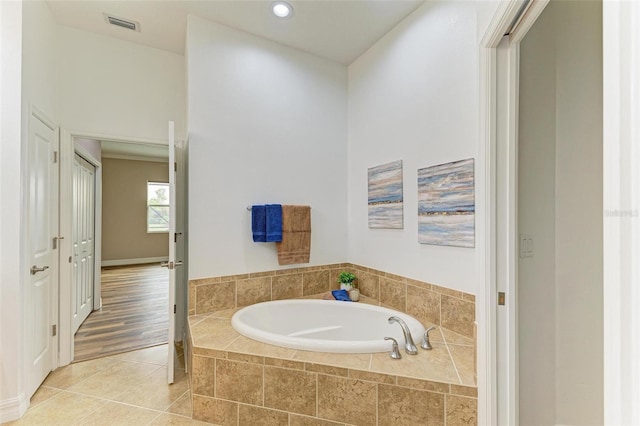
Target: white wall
point(414, 97)
point(267, 124)
point(116, 88)
point(28, 59)
point(560, 205)
point(11, 290)
point(92, 146)
point(579, 214)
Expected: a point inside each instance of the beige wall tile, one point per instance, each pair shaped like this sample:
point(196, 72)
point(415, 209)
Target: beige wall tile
point(372, 377)
point(369, 284)
point(447, 291)
point(393, 293)
point(360, 361)
point(285, 363)
point(239, 381)
point(295, 420)
point(245, 345)
point(464, 391)
point(191, 303)
point(457, 315)
point(216, 411)
point(423, 385)
point(203, 375)
point(250, 416)
point(254, 290)
point(326, 369)
point(403, 406)
point(315, 282)
point(423, 304)
point(286, 286)
point(461, 410)
point(254, 359)
point(333, 278)
point(213, 297)
point(290, 390)
point(347, 400)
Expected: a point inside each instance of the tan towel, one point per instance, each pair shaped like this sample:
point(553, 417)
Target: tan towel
point(296, 235)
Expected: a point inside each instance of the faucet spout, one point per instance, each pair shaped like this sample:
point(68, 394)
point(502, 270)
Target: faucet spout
point(409, 345)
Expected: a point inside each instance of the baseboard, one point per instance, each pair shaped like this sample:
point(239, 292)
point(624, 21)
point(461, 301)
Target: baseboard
point(123, 262)
point(13, 409)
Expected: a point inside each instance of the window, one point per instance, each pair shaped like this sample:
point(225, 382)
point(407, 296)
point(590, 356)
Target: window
point(157, 207)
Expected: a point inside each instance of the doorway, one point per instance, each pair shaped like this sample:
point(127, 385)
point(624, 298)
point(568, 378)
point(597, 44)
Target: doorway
point(130, 289)
point(132, 312)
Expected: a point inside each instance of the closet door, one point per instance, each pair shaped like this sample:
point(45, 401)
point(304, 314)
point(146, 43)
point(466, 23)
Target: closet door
point(84, 190)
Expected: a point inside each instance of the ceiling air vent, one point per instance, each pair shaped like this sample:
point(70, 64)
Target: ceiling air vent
point(124, 23)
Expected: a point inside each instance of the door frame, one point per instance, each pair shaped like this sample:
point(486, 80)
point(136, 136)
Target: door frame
point(621, 203)
point(497, 200)
point(68, 148)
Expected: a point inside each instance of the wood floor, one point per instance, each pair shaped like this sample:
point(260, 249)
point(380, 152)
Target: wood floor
point(134, 312)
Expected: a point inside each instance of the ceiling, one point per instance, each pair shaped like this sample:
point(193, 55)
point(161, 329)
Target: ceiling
point(339, 30)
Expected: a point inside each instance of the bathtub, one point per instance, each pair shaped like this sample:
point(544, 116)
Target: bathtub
point(324, 325)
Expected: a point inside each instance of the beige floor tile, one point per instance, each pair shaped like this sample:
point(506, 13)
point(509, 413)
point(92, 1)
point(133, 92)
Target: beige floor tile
point(131, 369)
point(71, 374)
point(153, 355)
point(62, 409)
point(182, 406)
point(463, 357)
point(114, 414)
point(167, 419)
point(454, 338)
point(153, 392)
point(213, 333)
point(435, 365)
point(102, 385)
point(43, 394)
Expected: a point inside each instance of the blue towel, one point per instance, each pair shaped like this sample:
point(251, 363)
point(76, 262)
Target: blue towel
point(259, 223)
point(341, 295)
point(274, 223)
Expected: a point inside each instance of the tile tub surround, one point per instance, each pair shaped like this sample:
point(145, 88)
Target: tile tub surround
point(429, 303)
point(235, 380)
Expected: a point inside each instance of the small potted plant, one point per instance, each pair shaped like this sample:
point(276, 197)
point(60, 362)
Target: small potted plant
point(346, 280)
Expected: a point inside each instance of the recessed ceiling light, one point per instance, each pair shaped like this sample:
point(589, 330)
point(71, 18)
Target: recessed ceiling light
point(282, 9)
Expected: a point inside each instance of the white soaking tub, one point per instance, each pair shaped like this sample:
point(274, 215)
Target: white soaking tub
point(324, 325)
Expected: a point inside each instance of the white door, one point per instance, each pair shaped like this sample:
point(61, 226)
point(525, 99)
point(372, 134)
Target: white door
point(42, 234)
point(84, 185)
point(172, 263)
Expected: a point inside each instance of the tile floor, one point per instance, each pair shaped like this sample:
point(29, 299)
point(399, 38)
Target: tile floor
point(125, 389)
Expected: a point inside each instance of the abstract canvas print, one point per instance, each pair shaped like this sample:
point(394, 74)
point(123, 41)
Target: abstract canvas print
point(446, 204)
point(385, 196)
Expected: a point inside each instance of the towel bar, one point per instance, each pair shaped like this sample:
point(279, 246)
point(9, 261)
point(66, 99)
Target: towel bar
point(249, 208)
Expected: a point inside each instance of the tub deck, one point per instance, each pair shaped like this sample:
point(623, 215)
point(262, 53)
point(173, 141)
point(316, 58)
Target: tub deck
point(234, 378)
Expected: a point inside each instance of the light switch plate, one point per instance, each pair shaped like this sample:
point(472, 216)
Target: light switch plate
point(526, 245)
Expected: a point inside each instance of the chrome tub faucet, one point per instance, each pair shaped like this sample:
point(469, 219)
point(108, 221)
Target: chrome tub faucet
point(409, 345)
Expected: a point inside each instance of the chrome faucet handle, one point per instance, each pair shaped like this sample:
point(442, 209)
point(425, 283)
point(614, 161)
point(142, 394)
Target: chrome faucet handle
point(395, 352)
point(425, 343)
point(409, 345)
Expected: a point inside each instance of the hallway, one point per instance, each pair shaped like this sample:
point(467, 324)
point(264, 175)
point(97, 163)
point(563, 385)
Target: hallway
point(134, 313)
